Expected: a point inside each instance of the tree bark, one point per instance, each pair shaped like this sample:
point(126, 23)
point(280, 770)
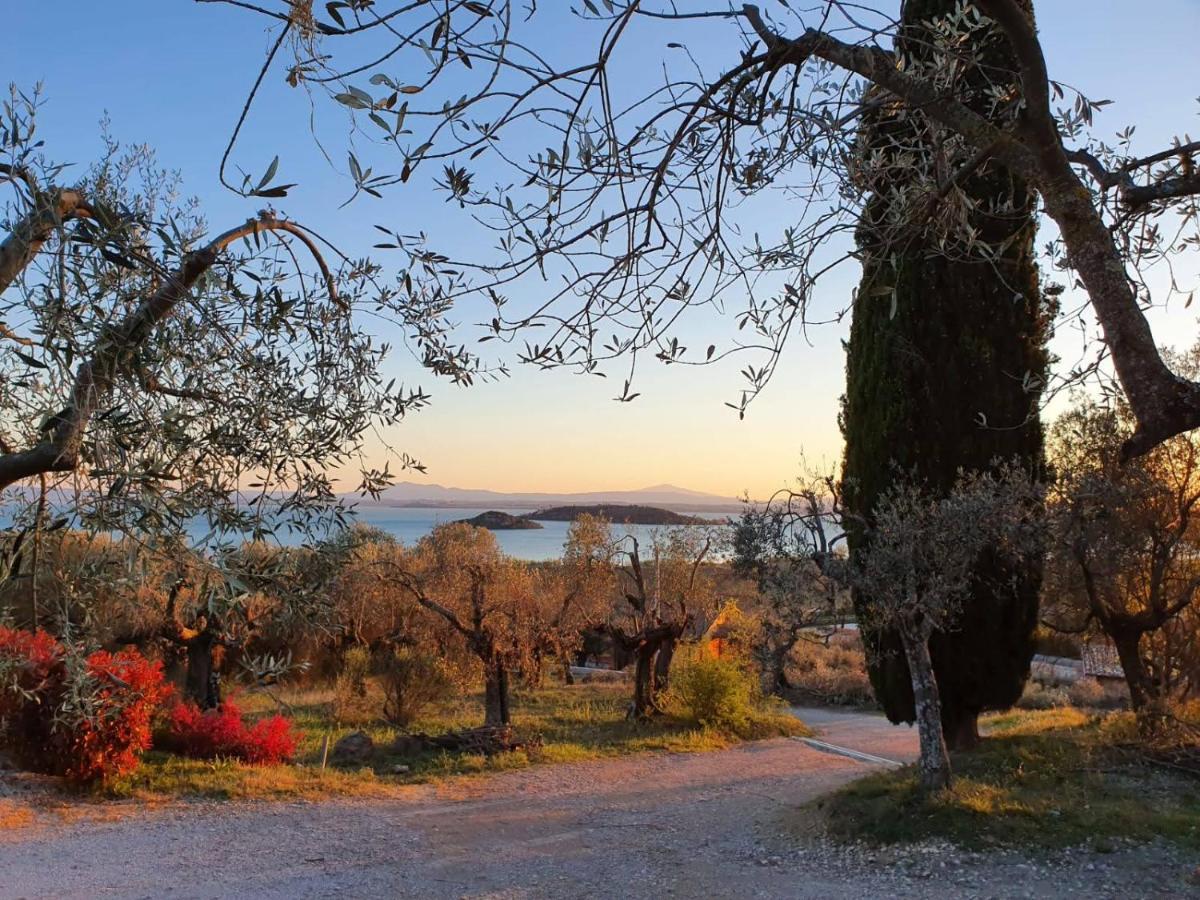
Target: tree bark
point(772, 660)
point(202, 683)
point(961, 728)
point(934, 764)
point(644, 682)
point(1144, 697)
point(662, 665)
point(535, 675)
point(1164, 404)
point(50, 211)
point(496, 702)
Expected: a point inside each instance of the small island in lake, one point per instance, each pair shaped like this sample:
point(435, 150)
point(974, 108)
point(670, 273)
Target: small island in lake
point(618, 513)
point(494, 520)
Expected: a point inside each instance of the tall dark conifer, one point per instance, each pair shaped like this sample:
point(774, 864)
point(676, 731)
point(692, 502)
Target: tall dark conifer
point(944, 366)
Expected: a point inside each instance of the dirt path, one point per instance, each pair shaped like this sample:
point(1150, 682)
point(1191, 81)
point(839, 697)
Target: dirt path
point(703, 825)
point(861, 731)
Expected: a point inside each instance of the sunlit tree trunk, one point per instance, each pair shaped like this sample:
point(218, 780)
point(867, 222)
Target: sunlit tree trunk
point(934, 764)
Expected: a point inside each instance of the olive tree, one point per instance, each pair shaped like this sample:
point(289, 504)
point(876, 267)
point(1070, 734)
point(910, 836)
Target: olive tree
point(161, 376)
point(660, 597)
point(786, 545)
point(459, 574)
point(575, 591)
point(157, 372)
point(622, 186)
point(1126, 555)
point(918, 569)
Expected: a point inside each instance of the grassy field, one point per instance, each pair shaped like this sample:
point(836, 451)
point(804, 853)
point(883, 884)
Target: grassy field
point(1049, 778)
point(574, 723)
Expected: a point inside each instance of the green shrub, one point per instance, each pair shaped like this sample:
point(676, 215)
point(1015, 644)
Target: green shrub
point(411, 680)
point(717, 692)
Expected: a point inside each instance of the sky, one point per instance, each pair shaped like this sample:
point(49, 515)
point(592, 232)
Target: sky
point(174, 74)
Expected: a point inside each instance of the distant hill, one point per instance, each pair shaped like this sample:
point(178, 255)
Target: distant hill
point(665, 496)
point(620, 513)
point(494, 520)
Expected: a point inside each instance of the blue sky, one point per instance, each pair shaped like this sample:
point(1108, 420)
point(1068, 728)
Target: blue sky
point(174, 74)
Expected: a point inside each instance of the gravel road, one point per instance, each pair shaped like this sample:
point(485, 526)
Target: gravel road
point(696, 825)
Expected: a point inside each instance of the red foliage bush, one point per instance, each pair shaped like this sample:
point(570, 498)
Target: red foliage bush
point(86, 720)
point(130, 688)
point(223, 733)
point(27, 660)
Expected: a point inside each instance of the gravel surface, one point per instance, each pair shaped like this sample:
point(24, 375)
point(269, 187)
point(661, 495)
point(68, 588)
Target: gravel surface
point(695, 825)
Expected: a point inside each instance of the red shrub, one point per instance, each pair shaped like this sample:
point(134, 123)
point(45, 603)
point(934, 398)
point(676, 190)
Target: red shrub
point(270, 741)
point(223, 733)
point(85, 719)
point(130, 688)
point(27, 660)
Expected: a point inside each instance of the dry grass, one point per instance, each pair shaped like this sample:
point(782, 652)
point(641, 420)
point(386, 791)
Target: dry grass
point(1086, 693)
point(835, 674)
point(15, 814)
point(1059, 777)
point(574, 723)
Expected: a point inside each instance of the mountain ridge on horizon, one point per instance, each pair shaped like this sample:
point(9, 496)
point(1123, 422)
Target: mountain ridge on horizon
point(668, 496)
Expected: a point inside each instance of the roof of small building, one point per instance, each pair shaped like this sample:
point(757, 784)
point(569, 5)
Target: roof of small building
point(1100, 660)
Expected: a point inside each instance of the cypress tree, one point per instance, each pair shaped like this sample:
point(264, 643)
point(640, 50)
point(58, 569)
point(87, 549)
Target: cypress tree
point(944, 369)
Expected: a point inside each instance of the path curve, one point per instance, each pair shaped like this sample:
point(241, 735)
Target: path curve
point(652, 825)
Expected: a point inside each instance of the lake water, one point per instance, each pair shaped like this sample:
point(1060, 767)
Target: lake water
point(410, 524)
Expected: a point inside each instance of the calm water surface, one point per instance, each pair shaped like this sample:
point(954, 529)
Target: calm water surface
point(410, 524)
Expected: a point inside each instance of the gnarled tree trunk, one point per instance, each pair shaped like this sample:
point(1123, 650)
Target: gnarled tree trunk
point(1144, 696)
point(496, 702)
point(662, 664)
point(644, 682)
point(202, 683)
point(934, 764)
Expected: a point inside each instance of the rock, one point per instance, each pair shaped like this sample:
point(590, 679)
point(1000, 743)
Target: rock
point(400, 770)
point(355, 749)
